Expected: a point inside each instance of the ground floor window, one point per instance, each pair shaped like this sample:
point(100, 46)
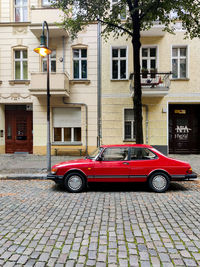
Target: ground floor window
point(67, 125)
point(129, 125)
point(67, 134)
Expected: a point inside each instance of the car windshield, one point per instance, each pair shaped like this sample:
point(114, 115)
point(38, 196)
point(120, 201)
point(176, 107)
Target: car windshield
point(95, 153)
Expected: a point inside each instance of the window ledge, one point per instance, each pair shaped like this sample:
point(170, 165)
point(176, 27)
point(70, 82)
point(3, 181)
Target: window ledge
point(80, 81)
point(129, 140)
point(180, 79)
point(13, 82)
point(119, 80)
point(66, 144)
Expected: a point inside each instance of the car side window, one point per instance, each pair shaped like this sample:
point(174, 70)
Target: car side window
point(115, 154)
point(138, 153)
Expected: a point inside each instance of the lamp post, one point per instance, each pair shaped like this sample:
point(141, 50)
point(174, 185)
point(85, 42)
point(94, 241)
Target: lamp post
point(43, 50)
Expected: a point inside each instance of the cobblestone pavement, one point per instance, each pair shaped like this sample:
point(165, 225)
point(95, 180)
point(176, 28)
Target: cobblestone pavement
point(109, 225)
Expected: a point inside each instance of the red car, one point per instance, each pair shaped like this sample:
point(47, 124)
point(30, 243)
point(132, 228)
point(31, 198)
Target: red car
point(122, 163)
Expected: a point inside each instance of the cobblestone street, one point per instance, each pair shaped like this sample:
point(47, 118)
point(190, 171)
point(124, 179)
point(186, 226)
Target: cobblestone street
point(109, 225)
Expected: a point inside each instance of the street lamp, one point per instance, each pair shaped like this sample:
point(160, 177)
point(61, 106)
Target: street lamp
point(43, 50)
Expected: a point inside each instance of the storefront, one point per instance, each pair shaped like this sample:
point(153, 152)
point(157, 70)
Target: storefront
point(184, 128)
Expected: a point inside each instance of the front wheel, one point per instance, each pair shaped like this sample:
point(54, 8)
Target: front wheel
point(159, 182)
point(74, 182)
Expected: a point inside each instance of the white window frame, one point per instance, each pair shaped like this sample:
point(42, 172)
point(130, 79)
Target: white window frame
point(114, 2)
point(62, 135)
point(80, 59)
point(132, 127)
point(47, 2)
point(118, 58)
point(21, 7)
point(179, 58)
point(148, 58)
point(21, 60)
point(44, 59)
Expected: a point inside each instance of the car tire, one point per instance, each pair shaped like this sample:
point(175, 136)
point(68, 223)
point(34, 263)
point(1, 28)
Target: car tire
point(74, 182)
point(159, 182)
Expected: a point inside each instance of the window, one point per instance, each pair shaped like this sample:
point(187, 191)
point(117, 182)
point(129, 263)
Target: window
point(115, 154)
point(80, 63)
point(129, 131)
point(119, 63)
point(21, 64)
point(21, 10)
point(179, 62)
point(47, 2)
point(122, 8)
point(138, 153)
point(149, 58)
point(67, 125)
point(52, 62)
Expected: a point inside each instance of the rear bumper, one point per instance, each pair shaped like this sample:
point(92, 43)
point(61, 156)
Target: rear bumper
point(184, 177)
point(56, 178)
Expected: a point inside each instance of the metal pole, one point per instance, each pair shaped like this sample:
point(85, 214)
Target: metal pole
point(99, 120)
point(48, 106)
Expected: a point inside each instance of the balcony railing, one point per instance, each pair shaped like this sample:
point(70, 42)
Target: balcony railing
point(153, 84)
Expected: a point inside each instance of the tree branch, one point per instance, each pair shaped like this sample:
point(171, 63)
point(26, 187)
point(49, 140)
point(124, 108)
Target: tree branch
point(115, 26)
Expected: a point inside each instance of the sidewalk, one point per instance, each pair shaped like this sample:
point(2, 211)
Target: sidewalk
point(29, 166)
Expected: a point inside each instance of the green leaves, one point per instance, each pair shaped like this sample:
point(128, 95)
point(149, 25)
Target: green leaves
point(118, 15)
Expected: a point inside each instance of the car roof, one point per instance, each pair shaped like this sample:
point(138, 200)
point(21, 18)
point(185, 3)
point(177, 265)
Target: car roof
point(128, 145)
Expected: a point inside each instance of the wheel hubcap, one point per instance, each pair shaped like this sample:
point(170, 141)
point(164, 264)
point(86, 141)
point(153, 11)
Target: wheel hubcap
point(159, 182)
point(74, 182)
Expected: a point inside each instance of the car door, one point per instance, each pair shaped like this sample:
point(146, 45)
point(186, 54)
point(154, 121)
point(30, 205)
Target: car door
point(142, 162)
point(113, 165)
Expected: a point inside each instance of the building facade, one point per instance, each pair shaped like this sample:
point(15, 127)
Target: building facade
point(170, 90)
point(23, 82)
point(170, 86)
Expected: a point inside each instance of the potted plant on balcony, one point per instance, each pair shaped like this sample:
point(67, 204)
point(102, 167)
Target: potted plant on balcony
point(144, 73)
point(153, 73)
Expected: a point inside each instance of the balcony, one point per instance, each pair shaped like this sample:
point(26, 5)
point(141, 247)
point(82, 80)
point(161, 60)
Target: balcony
point(155, 84)
point(59, 84)
point(38, 15)
point(157, 30)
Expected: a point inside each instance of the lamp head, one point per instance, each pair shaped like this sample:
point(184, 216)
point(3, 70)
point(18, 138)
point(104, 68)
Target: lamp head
point(43, 50)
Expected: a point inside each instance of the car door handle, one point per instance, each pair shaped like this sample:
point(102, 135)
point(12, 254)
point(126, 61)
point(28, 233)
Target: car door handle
point(125, 163)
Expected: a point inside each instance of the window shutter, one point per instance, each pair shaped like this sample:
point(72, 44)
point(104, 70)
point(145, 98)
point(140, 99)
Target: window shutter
point(67, 117)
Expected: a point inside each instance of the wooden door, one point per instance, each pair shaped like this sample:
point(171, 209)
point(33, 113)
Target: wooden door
point(184, 126)
point(18, 132)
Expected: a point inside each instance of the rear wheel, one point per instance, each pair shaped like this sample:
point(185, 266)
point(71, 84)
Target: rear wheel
point(159, 182)
point(74, 182)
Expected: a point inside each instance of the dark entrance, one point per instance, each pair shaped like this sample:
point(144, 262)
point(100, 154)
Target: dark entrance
point(19, 126)
point(184, 128)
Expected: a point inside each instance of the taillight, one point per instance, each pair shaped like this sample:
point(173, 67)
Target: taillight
point(189, 171)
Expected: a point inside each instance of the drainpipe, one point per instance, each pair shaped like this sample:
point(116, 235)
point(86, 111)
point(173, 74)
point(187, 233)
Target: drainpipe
point(63, 57)
point(99, 118)
point(86, 121)
point(147, 123)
